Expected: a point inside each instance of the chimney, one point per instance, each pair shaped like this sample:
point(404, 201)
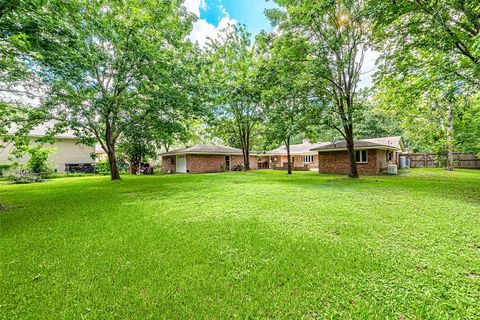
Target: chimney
point(305, 141)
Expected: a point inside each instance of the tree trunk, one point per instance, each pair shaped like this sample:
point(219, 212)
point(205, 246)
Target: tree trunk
point(139, 169)
point(114, 173)
point(247, 152)
point(449, 164)
point(353, 171)
point(289, 160)
point(247, 159)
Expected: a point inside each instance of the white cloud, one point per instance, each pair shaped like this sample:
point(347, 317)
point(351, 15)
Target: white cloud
point(202, 29)
point(194, 6)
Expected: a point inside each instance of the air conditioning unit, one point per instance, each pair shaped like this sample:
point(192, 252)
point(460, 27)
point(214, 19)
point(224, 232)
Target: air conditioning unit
point(392, 169)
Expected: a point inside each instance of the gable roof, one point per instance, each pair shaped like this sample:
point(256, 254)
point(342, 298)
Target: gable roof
point(394, 143)
point(42, 130)
point(205, 149)
point(390, 143)
point(295, 149)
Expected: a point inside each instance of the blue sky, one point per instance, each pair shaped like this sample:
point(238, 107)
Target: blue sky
point(216, 15)
point(248, 12)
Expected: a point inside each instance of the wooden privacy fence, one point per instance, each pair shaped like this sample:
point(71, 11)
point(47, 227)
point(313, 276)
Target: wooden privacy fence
point(432, 160)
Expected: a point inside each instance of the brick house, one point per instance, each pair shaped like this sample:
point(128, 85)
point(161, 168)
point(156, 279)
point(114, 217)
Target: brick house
point(328, 157)
point(373, 155)
point(302, 158)
point(204, 158)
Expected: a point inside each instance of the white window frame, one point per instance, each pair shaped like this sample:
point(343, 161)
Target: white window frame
point(390, 155)
point(361, 157)
point(308, 158)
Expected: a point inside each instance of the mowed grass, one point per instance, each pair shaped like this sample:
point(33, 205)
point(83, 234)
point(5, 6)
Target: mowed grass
point(242, 245)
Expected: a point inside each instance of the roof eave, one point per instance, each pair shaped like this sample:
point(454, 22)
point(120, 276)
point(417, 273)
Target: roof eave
point(166, 154)
point(360, 148)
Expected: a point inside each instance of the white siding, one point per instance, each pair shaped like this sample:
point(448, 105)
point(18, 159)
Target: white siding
point(65, 151)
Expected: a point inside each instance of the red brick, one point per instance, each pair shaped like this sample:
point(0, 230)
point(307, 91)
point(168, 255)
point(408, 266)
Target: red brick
point(338, 162)
point(203, 163)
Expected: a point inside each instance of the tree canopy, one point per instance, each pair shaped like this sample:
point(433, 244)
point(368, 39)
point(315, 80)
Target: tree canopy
point(109, 64)
point(235, 91)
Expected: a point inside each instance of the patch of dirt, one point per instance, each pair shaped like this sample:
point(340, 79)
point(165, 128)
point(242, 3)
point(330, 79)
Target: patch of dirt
point(144, 295)
point(7, 207)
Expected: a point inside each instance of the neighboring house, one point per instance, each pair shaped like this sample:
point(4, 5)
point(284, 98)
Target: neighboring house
point(204, 158)
point(66, 150)
point(372, 155)
point(302, 158)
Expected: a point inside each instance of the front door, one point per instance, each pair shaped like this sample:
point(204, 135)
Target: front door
point(181, 164)
point(227, 163)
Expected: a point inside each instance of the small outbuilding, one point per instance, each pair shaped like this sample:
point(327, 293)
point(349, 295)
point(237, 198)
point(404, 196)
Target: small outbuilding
point(203, 158)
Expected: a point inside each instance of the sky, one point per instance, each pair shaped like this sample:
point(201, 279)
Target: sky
point(215, 15)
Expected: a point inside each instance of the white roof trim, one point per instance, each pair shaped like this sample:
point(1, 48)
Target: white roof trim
point(361, 148)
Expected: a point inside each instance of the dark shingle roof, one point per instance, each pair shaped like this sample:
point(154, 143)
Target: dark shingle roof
point(394, 143)
point(205, 149)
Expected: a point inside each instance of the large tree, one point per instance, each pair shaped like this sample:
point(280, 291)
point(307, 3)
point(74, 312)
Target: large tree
point(20, 22)
point(372, 120)
point(108, 63)
point(236, 95)
point(424, 34)
point(287, 112)
point(427, 112)
point(429, 64)
point(335, 37)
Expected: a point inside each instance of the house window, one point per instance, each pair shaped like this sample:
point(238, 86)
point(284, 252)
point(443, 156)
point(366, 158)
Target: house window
point(389, 156)
point(361, 156)
point(307, 158)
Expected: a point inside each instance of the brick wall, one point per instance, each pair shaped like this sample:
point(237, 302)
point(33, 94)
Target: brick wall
point(338, 162)
point(204, 163)
point(253, 163)
point(168, 164)
point(235, 160)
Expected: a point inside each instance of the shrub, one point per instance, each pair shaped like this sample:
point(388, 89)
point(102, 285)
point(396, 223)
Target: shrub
point(23, 177)
point(4, 168)
point(103, 167)
point(239, 167)
point(38, 162)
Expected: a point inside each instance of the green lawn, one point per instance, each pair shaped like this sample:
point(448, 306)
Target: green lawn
point(246, 245)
